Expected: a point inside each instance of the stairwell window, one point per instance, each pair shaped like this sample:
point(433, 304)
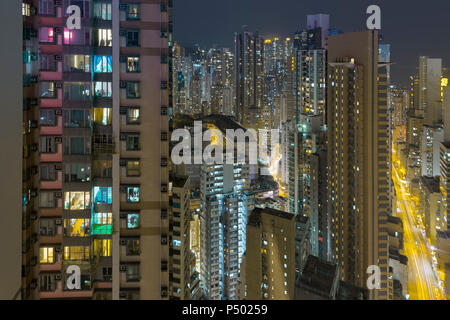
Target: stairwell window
point(133, 143)
point(133, 90)
point(133, 11)
point(132, 38)
point(133, 115)
point(133, 64)
point(133, 195)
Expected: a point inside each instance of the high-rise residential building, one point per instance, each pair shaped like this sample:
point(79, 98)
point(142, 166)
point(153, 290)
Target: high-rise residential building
point(430, 75)
point(184, 282)
point(270, 257)
point(304, 159)
point(249, 75)
point(103, 102)
point(358, 169)
point(224, 205)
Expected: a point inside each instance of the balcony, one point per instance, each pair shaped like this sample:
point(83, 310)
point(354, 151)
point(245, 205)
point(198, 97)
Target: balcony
point(52, 157)
point(53, 130)
point(56, 184)
point(103, 144)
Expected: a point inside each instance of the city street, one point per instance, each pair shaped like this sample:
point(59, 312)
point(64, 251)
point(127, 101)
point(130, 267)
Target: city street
point(422, 279)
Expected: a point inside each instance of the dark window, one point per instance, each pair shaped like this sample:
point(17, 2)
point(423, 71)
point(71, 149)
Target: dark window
point(132, 142)
point(133, 90)
point(47, 117)
point(132, 38)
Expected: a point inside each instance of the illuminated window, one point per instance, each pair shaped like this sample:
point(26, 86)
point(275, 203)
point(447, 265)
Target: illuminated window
point(76, 63)
point(102, 247)
point(102, 64)
point(102, 116)
point(26, 9)
point(103, 195)
point(102, 223)
point(47, 89)
point(133, 168)
point(76, 227)
point(133, 220)
point(103, 89)
point(46, 255)
point(133, 194)
point(133, 64)
point(47, 35)
point(133, 11)
point(76, 253)
point(77, 200)
point(133, 115)
point(103, 38)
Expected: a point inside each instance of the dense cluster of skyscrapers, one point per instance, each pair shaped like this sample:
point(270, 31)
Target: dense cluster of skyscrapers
point(360, 167)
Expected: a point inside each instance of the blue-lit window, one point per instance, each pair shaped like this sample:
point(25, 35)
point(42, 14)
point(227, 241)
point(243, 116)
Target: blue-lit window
point(102, 64)
point(176, 243)
point(133, 194)
point(103, 195)
point(176, 205)
point(133, 221)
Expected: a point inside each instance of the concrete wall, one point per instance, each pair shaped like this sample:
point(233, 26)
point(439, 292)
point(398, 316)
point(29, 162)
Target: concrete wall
point(11, 145)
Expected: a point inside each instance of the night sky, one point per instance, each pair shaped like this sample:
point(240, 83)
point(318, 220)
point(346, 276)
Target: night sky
point(413, 28)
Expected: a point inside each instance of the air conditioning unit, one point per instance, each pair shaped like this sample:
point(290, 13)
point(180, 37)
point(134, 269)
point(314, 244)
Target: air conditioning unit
point(58, 166)
point(58, 276)
point(34, 193)
point(58, 85)
point(123, 294)
point(58, 194)
point(163, 136)
point(123, 268)
point(163, 187)
point(163, 213)
point(34, 147)
point(123, 242)
point(58, 57)
point(33, 215)
point(123, 215)
point(58, 112)
point(163, 110)
point(58, 248)
point(163, 239)
point(59, 30)
point(58, 3)
point(163, 162)
point(123, 58)
point(107, 278)
point(58, 222)
point(122, 84)
point(58, 139)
